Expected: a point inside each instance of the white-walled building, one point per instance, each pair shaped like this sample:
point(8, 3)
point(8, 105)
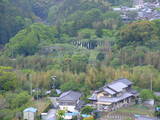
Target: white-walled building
point(69, 101)
point(114, 95)
point(29, 113)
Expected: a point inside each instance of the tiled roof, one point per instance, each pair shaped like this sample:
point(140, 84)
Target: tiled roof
point(117, 86)
point(70, 95)
point(109, 91)
point(125, 81)
point(93, 97)
point(114, 88)
point(80, 105)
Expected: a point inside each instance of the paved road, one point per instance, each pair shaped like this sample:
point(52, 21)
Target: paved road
point(51, 115)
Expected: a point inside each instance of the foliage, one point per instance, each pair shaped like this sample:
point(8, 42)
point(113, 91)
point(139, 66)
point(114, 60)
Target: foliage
point(88, 46)
point(157, 112)
point(87, 110)
point(13, 105)
point(14, 17)
point(74, 118)
point(7, 79)
point(146, 94)
point(101, 56)
point(2, 102)
point(76, 63)
point(30, 40)
point(70, 85)
point(54, 93)
point(60, 114)
point(17, 100)
point(69, 8)
point(138, 33)
point(89, 118)
point(6, 114)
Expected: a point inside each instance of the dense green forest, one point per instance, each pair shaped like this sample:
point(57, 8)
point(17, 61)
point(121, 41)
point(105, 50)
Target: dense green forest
point(84, 43)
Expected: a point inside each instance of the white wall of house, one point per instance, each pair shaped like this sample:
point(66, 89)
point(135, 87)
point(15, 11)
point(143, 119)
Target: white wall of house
point(70, 108)
point(149, 102)
point(100, 95)
point(28, 115)
point(68, 117)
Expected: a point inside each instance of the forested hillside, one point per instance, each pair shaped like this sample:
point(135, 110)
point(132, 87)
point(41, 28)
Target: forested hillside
point(84, 43)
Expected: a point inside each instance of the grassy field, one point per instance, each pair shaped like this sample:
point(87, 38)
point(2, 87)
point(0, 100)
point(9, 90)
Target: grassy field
point(41, 104)
point(137, 109)
point(127, 113)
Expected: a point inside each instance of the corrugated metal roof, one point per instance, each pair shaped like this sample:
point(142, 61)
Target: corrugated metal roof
point(109, 91)
point(70, 95)
point(30, 109)
point(117, 86)
point(125, 81)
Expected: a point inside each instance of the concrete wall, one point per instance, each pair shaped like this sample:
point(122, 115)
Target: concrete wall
point(28, 116)
point(149, 102)
point(68, 108)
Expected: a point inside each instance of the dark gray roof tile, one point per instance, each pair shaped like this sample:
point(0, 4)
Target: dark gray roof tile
point(125, 81)
point(70, 95)
point(117, 86)
point(93, 97)
point(109, 91)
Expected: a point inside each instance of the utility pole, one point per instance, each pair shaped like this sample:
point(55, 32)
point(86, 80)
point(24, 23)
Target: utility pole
point(12, 53)
point(30, 77)
point(151, 84)
point(37, 93)
point(37, 88)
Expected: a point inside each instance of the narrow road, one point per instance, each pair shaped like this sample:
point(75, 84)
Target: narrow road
point(51, 115)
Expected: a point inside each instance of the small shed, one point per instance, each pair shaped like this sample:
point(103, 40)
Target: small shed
point(29, 113)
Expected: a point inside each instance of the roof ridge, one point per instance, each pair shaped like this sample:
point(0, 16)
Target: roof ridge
point(65, 93)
